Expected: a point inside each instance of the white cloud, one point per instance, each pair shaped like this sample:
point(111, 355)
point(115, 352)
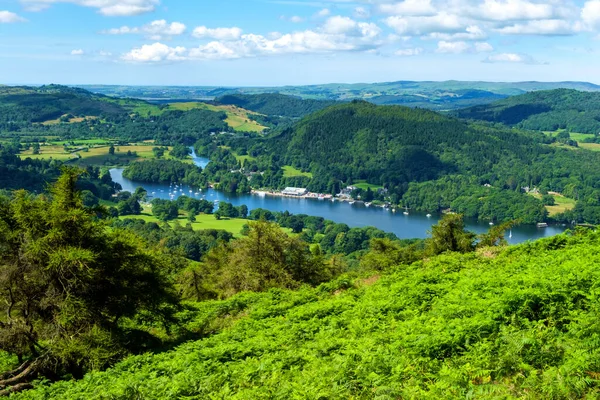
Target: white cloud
point(415, 26)
point(408, 8)
point(155, 30)
point(514, 58)
point(540, 27)
point(77, 52)
point(409, 52)
point(323, 13)
point(155, 52)
point(463, 47)
point(453, 47)
point(112, 8)
point(514, 10)
point(203, 32)
point(335, 36)
point(339, 25)
point(361, 13)
point(483, 47)
point(590, 15)
point(104, 53)
point(296, 19)
point(472, 32)
point(7, 17)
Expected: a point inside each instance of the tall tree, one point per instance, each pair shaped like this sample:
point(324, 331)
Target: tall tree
point(67, 284)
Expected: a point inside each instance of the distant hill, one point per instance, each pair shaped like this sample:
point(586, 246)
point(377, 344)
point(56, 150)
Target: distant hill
point(21, 104)
point(447, 95)
point(274, 104)
point(547, 110)
point(385, 144)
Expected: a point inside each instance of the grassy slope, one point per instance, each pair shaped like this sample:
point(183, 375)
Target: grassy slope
point(291, 172)
point(561, 205)
point(237, 118)
point(97, 155)
point(203, 222)
point(523, 323)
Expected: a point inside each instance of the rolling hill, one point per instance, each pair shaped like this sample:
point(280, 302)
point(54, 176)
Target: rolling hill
point(274, 104)
point(563, 109)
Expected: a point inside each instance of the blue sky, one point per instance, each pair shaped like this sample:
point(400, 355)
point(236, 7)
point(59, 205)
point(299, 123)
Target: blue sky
point(278, 42)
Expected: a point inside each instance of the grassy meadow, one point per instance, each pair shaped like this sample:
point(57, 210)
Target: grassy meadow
point(93, 152)
point(291, 172)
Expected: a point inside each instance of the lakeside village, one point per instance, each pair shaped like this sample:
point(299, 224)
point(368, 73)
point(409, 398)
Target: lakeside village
point(345, 195)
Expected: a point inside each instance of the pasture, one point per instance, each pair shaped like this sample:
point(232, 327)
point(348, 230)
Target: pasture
point(291, 172)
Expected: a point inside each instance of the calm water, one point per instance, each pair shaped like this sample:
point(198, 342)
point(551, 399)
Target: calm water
point(414, 225)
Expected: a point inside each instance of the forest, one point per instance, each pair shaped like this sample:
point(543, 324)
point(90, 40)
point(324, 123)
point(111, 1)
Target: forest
point(546, 110)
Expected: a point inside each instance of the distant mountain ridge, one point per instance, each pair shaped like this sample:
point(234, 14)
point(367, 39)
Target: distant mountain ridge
point(446, 95)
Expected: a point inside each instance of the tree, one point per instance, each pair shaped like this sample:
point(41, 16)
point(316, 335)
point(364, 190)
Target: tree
point(36, 148)
point(164, 210)
point(548, 200)
point(495, 235)
point(111, 150)
point(450, 235)
point(263, 259)
point(68, 284)
point(180, 151)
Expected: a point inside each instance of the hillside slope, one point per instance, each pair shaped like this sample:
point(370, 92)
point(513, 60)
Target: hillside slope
point(385, 144)
point(543, 110)
point(27, 104)
point(274, 104)
point(523, 323)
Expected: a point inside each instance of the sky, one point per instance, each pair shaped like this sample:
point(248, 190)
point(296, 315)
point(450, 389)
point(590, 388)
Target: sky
point(296, 42)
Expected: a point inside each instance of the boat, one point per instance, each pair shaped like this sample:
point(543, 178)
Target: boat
point(428, 215)
point(510, 234)
point(405, 211)
point(367, 204)
point(491, 223)
point(542, 225)
point(351, 202)
point(333, 200)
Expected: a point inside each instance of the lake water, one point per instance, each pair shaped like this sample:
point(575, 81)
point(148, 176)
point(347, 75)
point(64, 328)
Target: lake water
point(410, 226)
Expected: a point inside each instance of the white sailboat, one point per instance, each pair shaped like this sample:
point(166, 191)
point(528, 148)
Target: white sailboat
point(510, 234)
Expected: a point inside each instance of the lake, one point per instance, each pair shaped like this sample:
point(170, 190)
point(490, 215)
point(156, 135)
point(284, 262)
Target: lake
point(410, 226)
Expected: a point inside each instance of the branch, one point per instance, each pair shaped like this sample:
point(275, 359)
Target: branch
point(16, 371)
point(26, 373)
point(17, 388)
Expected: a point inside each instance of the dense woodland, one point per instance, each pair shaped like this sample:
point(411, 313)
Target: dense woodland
point(549, 110)
point(273, 104)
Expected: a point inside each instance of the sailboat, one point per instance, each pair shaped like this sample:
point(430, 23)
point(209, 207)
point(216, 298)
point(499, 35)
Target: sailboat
point(510, 234)
point(405, 210)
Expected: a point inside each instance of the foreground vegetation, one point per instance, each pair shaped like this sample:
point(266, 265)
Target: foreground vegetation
point(520, 322)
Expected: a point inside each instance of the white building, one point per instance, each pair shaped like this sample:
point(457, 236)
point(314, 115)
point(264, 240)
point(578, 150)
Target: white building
point(293, 191)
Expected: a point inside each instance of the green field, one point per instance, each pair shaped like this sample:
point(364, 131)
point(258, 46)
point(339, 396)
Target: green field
point(562, 204)
point(237, 118)
point(579, 138)
point(364, 185)
point(291, 172)
point(95, 155)
point(590, 146)
point(203, 222)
